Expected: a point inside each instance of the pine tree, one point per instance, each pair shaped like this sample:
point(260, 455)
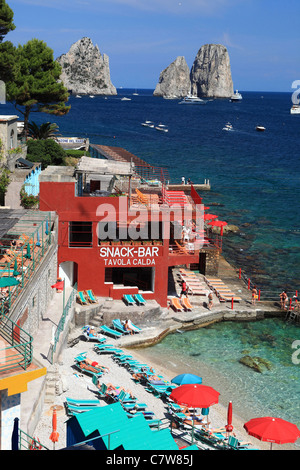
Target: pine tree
point(36, 86)
point(6, 19)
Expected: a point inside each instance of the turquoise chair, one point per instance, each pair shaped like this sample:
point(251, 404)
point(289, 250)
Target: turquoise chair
point(82, 298)
point(106, 330)
point(129, 300)
point(92, 299)
point(139, 299)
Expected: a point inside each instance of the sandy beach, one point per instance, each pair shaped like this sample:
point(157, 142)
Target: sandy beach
point(73, 384)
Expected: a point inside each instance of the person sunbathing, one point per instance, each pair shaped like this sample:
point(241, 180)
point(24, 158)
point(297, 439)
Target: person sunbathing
point(92, 366)
point(127, 327)
point(112, 390)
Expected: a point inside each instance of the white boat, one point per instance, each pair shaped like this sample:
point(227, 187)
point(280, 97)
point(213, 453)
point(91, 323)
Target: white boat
point(162, 128)
point(148, 124)
point(190, 99)
point(228, 127)
point(236, 96)
point(125, 99)
point(295, 109)
point(78, 96)
point(92, 96)
point(260, 128)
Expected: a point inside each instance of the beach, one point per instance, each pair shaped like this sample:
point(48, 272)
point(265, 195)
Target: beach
point(73, 384)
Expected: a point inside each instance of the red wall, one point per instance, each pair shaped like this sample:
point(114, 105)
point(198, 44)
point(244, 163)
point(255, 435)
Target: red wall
point(60, 197)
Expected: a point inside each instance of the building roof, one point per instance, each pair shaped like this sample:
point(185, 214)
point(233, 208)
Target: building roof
point(9, 218)
point(104, 166)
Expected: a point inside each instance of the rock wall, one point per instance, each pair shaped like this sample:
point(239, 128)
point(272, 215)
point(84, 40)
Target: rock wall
point(174, 81)
point(85, 70)
point(211, 72)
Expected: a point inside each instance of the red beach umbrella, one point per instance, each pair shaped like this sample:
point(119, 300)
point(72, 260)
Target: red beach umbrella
point(54, 435)
point(210, 216)
point(271, 430)
point(195, 395)
point(229, 427)
point(58, 285)
point(218, 223)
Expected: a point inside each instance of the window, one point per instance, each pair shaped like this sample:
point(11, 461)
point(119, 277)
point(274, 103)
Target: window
point(80, 234)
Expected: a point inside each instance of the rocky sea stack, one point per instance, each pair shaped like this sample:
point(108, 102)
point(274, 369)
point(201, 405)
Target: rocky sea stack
point(85, 71)
point(211, 72)
point(209, 77)
point(174, 81)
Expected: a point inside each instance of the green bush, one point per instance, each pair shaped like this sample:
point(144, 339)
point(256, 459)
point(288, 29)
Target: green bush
point(47, 152)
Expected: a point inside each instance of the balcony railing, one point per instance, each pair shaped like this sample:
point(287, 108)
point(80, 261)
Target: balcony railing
point(18, 353)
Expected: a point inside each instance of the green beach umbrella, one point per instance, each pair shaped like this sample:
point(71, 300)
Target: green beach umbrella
point(28, 254)
point(16, 272)
point(8, 282)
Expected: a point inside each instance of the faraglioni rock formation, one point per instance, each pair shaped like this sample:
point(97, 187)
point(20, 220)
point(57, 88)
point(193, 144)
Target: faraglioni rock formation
point(211, 72)
point(85, 70)
point(174, 81)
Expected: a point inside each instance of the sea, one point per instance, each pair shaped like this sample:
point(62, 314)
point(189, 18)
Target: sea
point(255, 185)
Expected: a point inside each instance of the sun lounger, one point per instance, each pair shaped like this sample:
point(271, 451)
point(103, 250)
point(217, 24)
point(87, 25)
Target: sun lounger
point(175, 303)
point(106, 330)
point(139, 299)
point(117, 325)
point(82, 403)
point(91, 297)
point(129, 300)
point(106, 349)
point(186, 304)
point(91, 337)
point(81, 298)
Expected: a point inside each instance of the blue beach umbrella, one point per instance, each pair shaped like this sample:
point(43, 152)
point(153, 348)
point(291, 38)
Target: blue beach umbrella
point(38, 243)
point(15, 435)
point(183, 379)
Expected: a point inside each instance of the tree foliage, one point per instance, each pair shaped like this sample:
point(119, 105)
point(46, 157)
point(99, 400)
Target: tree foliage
point(47, 152)
point(36, 86)
point(44, 131)
point(6, 19)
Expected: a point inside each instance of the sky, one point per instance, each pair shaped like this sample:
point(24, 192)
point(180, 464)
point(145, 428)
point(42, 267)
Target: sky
point(143, 37)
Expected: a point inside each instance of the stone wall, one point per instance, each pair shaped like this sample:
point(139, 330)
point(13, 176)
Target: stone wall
point(32, 304)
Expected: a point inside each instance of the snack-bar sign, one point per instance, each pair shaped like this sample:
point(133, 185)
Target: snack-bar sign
point(129, 255)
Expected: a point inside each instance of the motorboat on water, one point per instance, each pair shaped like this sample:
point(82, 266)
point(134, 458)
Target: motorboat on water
point(92, 96)
point(78, 96)
point(162, 127)
point(125, 99)
point(148, 124)
point(295, 109)
point(190, 99)
point(228, 127)
point(236, 96)
point(260, 128)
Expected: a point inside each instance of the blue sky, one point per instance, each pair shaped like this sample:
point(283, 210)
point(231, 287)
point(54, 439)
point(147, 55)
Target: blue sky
point(142, 37)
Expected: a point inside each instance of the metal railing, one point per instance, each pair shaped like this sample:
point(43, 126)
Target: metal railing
point(27, 442)
point(61, 325)
point(19, 353)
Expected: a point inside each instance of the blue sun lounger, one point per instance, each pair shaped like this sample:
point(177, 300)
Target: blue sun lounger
point(139, 299)
point(106, 330)
point(129, 300)
point(90, 295)
point(90, 337)
point(117, 325)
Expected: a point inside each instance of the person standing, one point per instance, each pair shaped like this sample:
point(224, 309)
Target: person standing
point(254, 295)
point(210, 300)
point(183, 289)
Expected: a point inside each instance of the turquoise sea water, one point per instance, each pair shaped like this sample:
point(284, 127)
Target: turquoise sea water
point(255, 180)
point(214, 352)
